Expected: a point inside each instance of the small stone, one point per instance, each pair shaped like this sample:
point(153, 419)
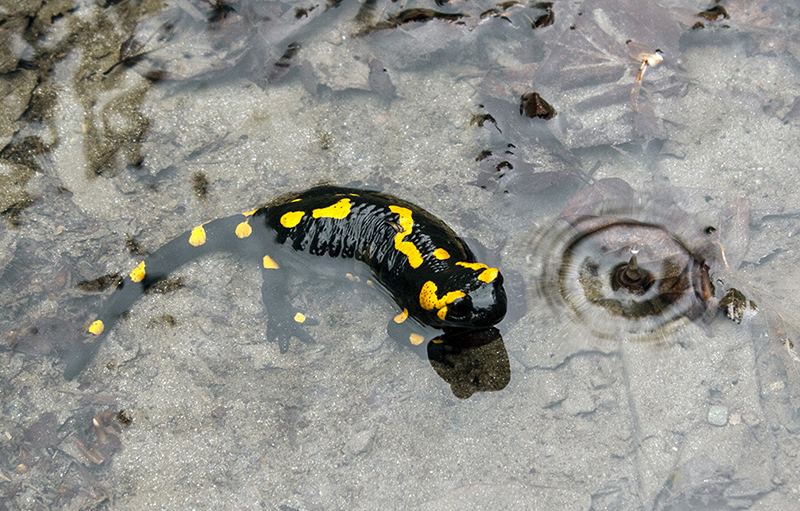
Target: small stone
point(718, 415)
point(750, 418)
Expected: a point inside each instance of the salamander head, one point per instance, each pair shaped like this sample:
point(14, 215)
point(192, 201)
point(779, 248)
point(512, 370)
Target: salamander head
point(470, 295)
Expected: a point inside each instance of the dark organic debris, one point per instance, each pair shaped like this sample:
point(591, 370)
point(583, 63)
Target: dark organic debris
point(124, 419)
point(200, 184)
point(100, 283)
point(737, 306)
point(541, 16)
point(301, 12)
point(490, 13)
point(105, 442)
point(409, 15)
point(483, 155)
point(497, 12)
point(220, 9)
point(281, 67)
point(133, 246)
point(14, 211)
point(503, 165)
point(533, 105)
point(166, 286)
point(714, 13)
point(167, 320)
point(547, 18)
point(419, 14)
point(480, 119)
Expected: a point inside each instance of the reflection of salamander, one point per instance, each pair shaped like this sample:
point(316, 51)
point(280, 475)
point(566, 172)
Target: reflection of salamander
point(415, 257)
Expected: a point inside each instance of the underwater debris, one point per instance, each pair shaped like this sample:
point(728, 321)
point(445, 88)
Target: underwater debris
point(533, 105)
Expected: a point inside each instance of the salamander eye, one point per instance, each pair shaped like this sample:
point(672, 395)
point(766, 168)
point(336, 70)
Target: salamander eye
point(459, 309)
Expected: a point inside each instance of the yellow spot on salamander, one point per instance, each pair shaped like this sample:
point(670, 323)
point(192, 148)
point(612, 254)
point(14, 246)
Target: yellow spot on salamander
point(292, 218)
point(250, 213)
point(198, 236)
point(339, 210)
point(401, 317)
point(97, 327)
point(300, 318)
point(297, 200)
point(487, 275)
point(269, 263)
point(406, 247)
point(244, 230)
point(415, 339)
point(138, 273)
point(429, 300)
point(441, 254)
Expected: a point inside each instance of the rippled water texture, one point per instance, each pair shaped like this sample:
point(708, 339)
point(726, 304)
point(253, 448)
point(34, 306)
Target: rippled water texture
point(631, 168)
point(633, 271)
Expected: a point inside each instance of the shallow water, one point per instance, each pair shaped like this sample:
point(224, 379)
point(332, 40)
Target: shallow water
point(105, 138)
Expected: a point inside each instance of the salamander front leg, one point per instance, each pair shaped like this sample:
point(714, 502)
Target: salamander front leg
point(409, 333)
point(283, 320)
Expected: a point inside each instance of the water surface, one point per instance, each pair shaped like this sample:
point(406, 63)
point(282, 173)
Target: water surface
point(115, 113)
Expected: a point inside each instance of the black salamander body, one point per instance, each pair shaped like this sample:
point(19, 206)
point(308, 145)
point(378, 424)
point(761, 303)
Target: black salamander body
point(430, 272)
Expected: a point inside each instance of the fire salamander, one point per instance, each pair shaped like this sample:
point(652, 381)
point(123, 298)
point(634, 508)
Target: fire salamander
point(428, 270)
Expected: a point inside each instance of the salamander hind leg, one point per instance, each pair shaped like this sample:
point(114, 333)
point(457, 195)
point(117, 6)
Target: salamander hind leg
point(77, 360)
point(283, 320)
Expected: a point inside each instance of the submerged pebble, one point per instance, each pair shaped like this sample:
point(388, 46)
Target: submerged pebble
point(718, 415)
